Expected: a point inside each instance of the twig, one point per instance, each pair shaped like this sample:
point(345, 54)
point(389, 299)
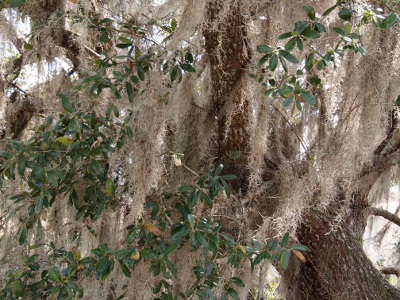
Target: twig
point(190, 170)
point(295, 132)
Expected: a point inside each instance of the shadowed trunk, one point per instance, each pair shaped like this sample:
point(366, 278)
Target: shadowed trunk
point(226, 48)
point(336, 267)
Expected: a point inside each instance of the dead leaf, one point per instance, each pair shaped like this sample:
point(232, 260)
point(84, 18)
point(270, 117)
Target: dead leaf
point(299, 255)
point(152, 228)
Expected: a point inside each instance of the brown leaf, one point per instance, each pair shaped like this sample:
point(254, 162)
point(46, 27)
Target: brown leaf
point(299, 255)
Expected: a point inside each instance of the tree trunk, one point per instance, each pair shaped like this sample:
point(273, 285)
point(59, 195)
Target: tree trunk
point(336, 267)
point(225, 46)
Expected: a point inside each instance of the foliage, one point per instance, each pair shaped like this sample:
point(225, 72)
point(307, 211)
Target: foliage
point(291, 86)
point(144, 241)
point(73, 149)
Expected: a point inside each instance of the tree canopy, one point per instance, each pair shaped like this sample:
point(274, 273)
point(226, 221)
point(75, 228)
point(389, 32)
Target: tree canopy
point(174, 149)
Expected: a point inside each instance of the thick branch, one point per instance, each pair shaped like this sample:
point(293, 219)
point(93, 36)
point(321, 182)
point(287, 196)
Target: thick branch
point(390, 271)
point(384, 213)
point(336, 267)
point(226, 49)
point(381, 164)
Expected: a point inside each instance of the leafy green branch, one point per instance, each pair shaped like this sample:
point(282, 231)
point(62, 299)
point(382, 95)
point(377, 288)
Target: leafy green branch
point(291, 87)
point(56, 158)
point(146, 242)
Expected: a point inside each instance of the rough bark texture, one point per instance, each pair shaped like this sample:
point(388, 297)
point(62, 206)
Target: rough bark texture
point(336, 267)
point(226, 48)
point(385, 214)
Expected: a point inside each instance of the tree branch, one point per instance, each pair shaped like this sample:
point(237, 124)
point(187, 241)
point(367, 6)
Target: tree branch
point(390, 271)
point(381, 164)
point(384, 213)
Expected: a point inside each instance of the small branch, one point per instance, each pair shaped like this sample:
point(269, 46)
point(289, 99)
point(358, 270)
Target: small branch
point(384, 213)
point(390, 271)
point(190, 170)
point(295, 132)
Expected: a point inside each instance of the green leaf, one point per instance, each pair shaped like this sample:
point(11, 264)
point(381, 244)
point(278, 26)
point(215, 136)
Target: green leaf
point(55, 275)
point(188, 68)
point(170, 249)
point(285, 239)
point(189, 57)
point(348, 28)
point(134, 79)
point(87, 261)
point(228, 177)
point(101, 267)
point(206, 198)
point(283, 62)
point(80, 212)
point(285, 35)
point(237, 281)
point(312, 34)
point(273, 63)
point(315, 80)
point(264, 49)
point(329, 10)
point(66, 104)
point(226, 188)
point(310, 12)
point(287, 90)
point(129, 91)
point(398, 101)
point(125, 40)
point(339, 31)
point(299, 247)
point(174, 72)
point(73, 125)
point(17, 145)
point(345, 14)
point(284, 259)
point(28, 46)
point(124, 269)
point(287, 101)
point(39, 205)
point(121, 254)
point(21, 166)
point(104, 37)
point(140, 72)
point(231, 292)
point(115, 110)
point(180, 234)
point(23, 235)
point(290, 44)
point(129, 131)
point(95, 168)
point(260, 257)
point(300, 26)
point(15, 3)
point(320, 27)
point(174, 23)
point(298, 105)
point(218, 169)
point(308, 97)
point(132, 234)
point(299, 43)
point(288, 56)
point(262, 61)
point(390, 20)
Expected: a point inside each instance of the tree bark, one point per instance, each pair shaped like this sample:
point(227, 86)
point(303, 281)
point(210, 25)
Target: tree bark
point(385, 214)
point(226, 48)
point(336, 267)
